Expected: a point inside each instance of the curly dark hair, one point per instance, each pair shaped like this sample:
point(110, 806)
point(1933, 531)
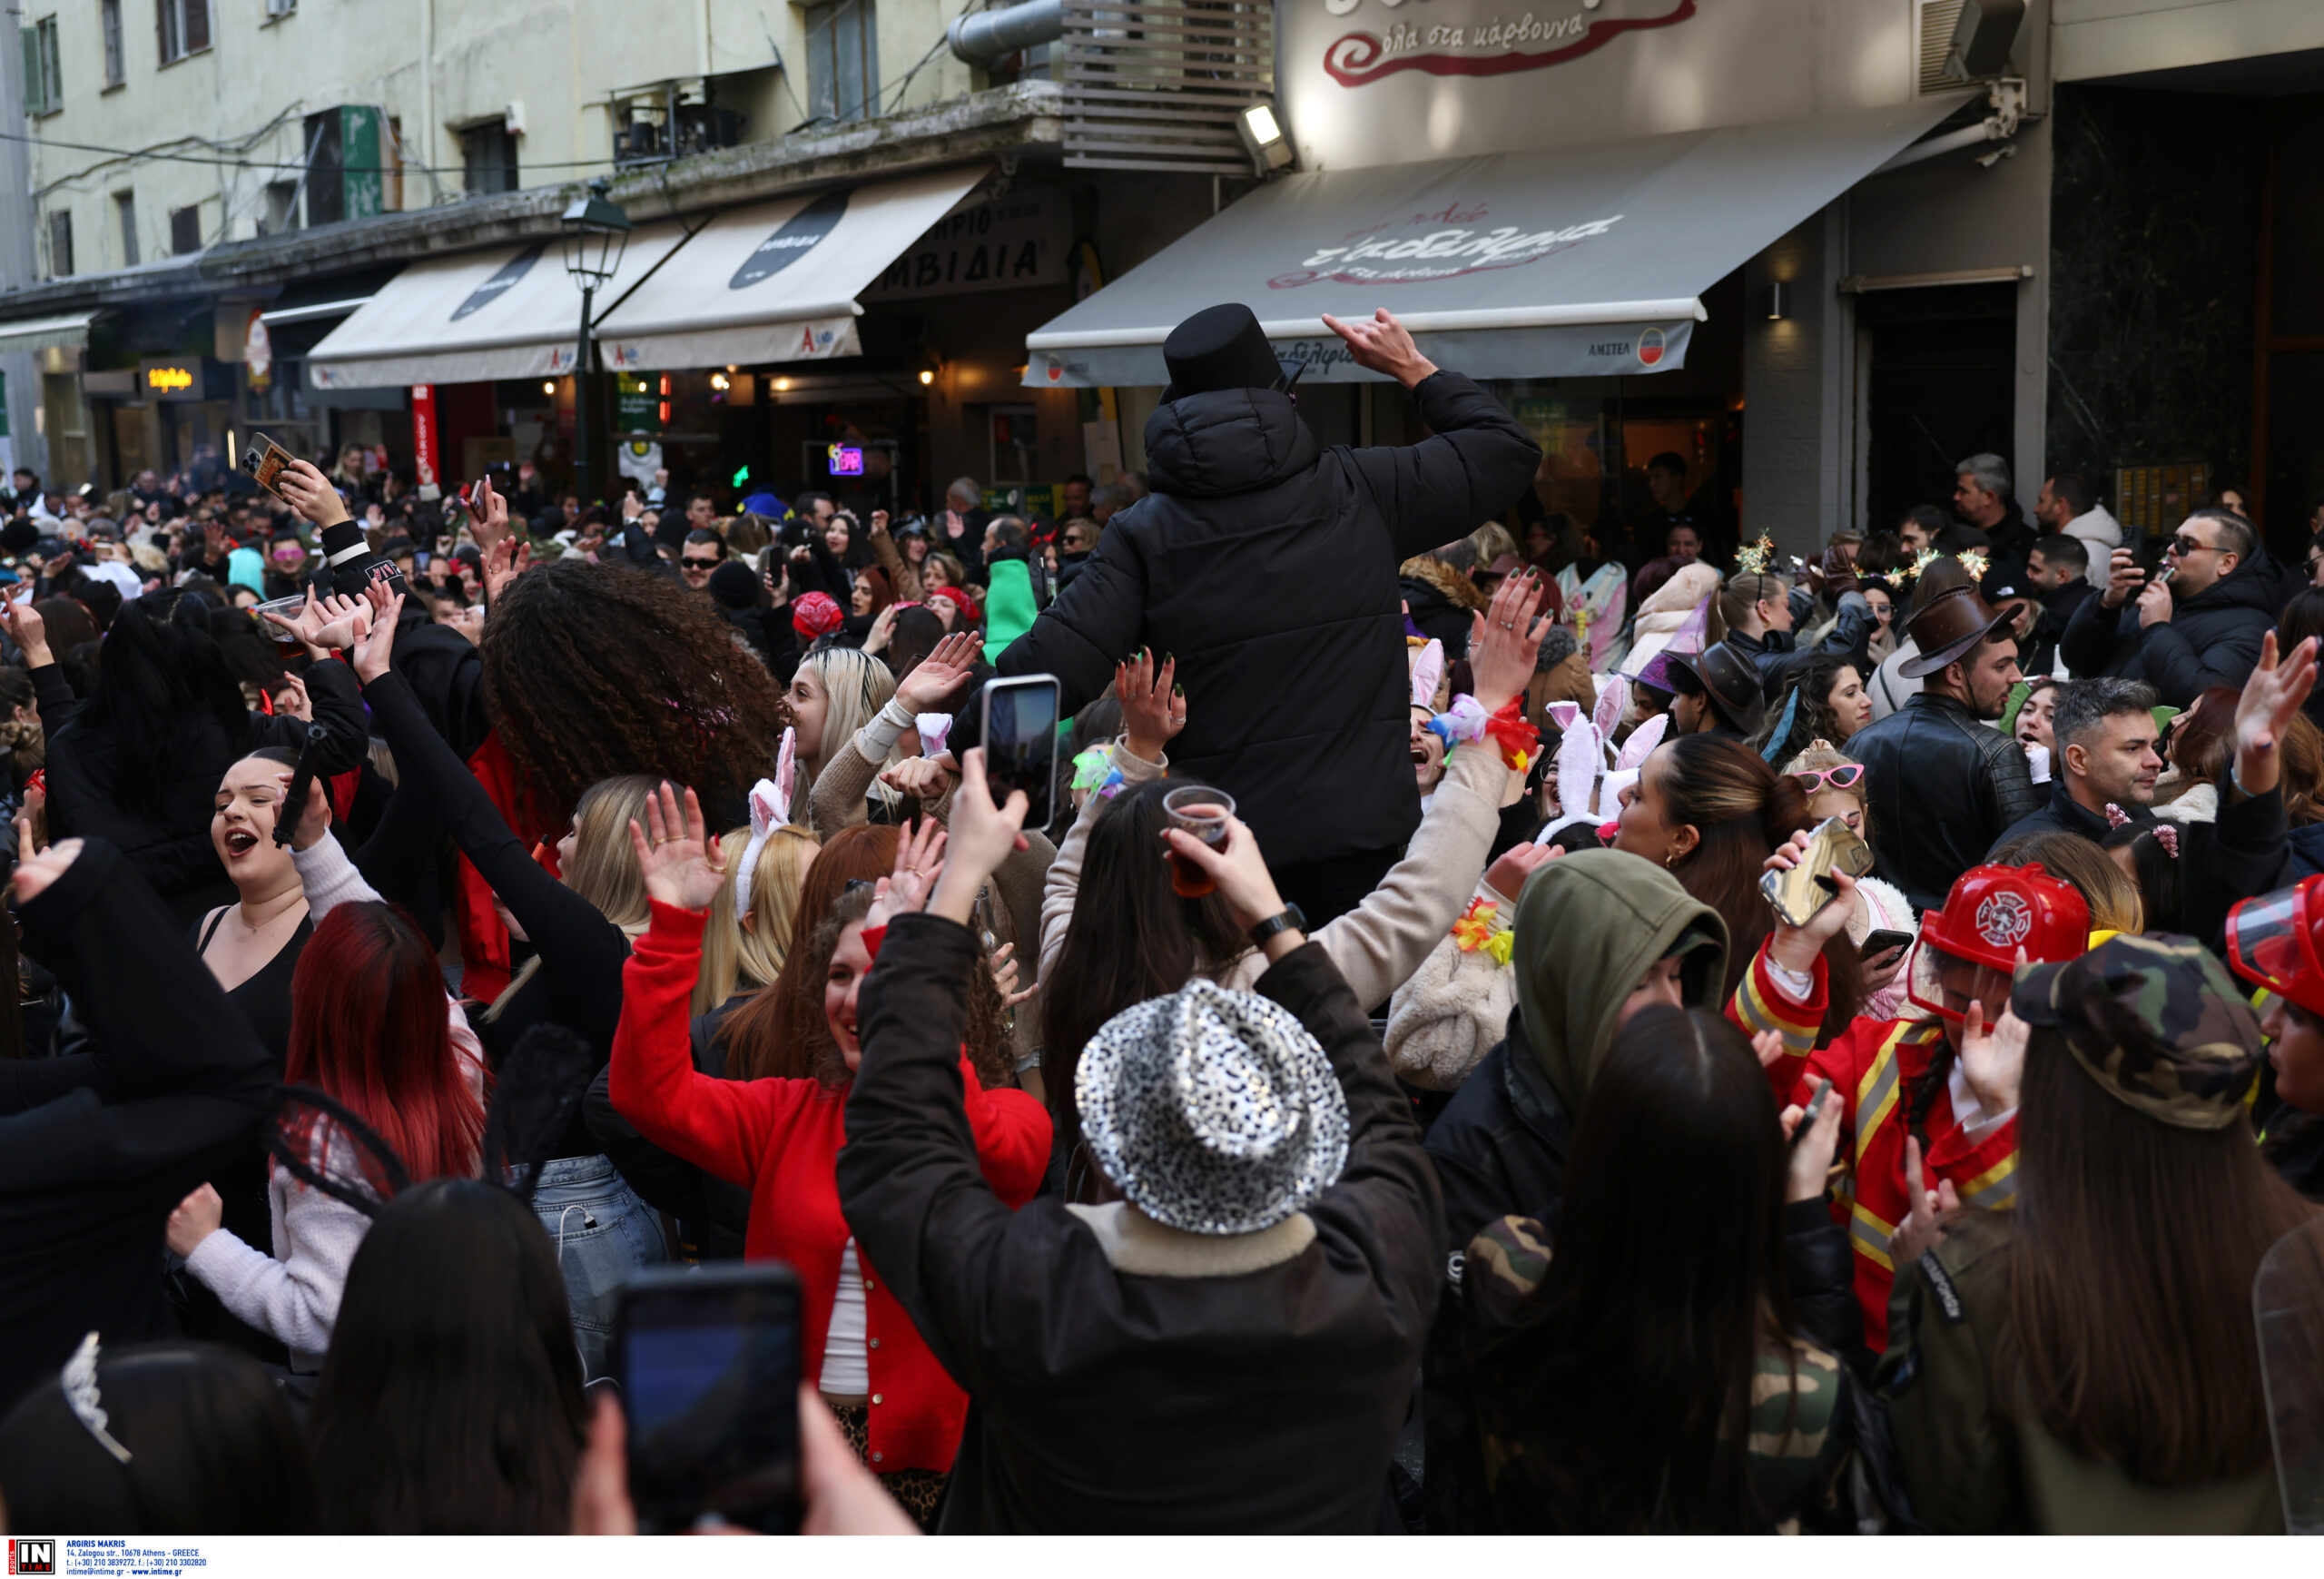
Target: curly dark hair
point(592, 671)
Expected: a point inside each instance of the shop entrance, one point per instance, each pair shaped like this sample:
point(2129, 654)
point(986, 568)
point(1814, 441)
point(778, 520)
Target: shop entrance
point(1940, 387)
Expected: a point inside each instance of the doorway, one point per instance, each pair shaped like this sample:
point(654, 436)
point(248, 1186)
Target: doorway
point(1939, 386)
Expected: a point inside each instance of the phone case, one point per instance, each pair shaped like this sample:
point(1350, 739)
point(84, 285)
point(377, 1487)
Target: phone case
point(1797, 894)
point(264, 460)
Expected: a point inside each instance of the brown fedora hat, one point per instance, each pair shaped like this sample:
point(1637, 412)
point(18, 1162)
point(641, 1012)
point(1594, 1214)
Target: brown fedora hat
point(1730, 680)
point(1948, 629)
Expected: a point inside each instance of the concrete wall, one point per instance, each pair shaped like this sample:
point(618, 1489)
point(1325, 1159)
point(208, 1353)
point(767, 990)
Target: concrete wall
point(2105, 38)
point(436, 66)
point(1797, 479)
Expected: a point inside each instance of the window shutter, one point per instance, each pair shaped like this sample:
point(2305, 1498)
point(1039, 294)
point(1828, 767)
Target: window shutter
point(34, 103)
point(197, 24)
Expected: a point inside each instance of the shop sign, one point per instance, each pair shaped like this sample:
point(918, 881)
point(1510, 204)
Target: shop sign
point(1458, 239)
point(1489, 47)
point(427, 438)
point(182, 378)
point(641, 403)
point(791, 240)
point(1000, 245)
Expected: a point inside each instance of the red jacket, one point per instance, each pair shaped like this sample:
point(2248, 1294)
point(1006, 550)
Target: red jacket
point(1876, 1065)
point(782, 1138)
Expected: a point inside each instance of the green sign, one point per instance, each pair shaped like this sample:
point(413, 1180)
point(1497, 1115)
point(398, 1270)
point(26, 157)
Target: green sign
point(362, 141)
point(638, 402)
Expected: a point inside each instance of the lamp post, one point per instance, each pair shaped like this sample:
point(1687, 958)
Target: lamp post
point(596, 231)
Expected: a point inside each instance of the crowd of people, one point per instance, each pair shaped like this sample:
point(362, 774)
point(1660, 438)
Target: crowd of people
point(1383, 1097)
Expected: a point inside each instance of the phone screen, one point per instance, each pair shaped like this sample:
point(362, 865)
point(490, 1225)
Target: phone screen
point(1021, 743)
point(709, 1367)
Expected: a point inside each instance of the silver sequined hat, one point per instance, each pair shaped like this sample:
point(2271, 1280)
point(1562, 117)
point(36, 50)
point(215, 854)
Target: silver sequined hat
point(1214, 1112)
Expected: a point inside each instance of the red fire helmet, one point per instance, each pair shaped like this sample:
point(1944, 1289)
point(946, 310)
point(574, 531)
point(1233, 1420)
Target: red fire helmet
point(2273, 940)
point(1992, 912)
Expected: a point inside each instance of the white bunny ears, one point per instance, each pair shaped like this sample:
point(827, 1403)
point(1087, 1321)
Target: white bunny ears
point(770, 809)
point(1587, 789)
point(1428, 673)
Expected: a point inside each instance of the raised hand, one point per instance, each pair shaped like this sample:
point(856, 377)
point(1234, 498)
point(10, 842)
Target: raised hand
point(921, 777)
point(983, 835)
point(1003, 961)
point(314, 817)
point(680, 861)
point(310, 493)
point(1506, 875)
point(1794, 948)
point(1383, 344)
point(489, 513)
point(1812, 1154)
point(1153, 705)
point(938, 675)
point(377, 649)
point(1994, 1061)
point(35, 872)
point(28, 630)
point(194, 1219)
point(883, 627)
point(2122, 579)
point(1506, 638)
point(2272, 697)
point(1767, 1047)
point(504, 561)
point(1240, 871)
point(1922, 1229)
point(919, 857)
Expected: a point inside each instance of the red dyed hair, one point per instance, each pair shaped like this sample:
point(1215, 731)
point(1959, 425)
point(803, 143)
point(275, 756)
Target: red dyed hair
point(368, 1026)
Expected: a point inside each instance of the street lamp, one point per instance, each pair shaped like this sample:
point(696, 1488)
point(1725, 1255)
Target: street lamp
point(596, 232)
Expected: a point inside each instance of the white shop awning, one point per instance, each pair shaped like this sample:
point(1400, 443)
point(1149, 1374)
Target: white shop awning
point(68, 329)
point(1550, 264)
point(776, 281)
point(508, 313)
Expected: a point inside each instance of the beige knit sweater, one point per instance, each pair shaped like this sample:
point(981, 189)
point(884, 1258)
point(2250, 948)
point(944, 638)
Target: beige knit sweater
point(1383, 941)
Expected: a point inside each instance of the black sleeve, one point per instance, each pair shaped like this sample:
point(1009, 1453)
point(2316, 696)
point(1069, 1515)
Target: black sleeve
point(53, 696)
point(2245, 852)
point(1475, 465)
point(2088, 646)
point(398, 859)
point(1819, 1272)
point(1094, 624)
point(663, 1182)
point(27, 1082)
point(571, 934)
point(337, 708)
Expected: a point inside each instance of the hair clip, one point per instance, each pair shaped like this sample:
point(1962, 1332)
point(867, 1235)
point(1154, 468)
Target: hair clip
point(1973, 561)
point(2115, 816)
point(2167, 835)
point(80, 1379)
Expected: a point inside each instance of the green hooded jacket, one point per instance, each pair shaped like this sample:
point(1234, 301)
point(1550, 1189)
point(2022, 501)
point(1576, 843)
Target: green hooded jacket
point(1009, 610)
point(1588, 926)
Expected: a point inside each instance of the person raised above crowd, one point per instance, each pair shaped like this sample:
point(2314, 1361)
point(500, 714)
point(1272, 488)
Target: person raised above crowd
point(1288, 639)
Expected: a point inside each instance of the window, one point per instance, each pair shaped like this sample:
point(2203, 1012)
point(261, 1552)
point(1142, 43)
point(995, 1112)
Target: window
point(184, 27)
point(843, 60)
point(326, 181)
point(60, 243)
point(280, 7)
point(185, 230)
point(124, 208)
point(281, 208)
point(43, 80)
point(116, 69)
point(488, 154)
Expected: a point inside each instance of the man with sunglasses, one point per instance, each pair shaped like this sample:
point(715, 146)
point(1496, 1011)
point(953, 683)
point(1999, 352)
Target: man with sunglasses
point(701, 554)
point(2182, 633)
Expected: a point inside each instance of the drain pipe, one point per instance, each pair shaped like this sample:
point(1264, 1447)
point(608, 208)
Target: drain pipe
point(980, 37)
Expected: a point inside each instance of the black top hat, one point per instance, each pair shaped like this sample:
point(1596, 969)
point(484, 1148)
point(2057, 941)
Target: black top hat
point(1730, 680)
point(1223, 347)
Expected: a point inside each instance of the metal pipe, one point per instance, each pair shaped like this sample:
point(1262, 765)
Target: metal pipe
point(1984, 131)
point(979, 37)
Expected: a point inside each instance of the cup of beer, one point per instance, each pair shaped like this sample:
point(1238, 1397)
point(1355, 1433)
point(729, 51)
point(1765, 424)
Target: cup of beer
point(1203, 812)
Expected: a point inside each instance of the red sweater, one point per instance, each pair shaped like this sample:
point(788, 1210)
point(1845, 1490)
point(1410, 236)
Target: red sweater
point(782, 1138)
point(1874, 1065)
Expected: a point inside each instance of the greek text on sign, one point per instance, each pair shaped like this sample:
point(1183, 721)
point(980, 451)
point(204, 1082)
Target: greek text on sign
point(1001, 245)
point(1521, 41)
point(1456, 240)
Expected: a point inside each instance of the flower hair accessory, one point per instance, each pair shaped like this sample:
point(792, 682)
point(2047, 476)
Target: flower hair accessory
point(2116, 816)
point(1754, 559)
point(1095, 772)
point(1973, 560)
point(2167, 835)
point(80, 1379)
point(1482, 930)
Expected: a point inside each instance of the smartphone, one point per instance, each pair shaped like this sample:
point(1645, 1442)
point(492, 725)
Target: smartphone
point(302, 784)
point(1879, 942)
point(419, 559)
point(708, 1362)
point(264, 460)
point(1021, 743)
point(1797, 894)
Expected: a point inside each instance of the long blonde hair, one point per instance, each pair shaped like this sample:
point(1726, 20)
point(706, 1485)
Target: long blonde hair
point(737, 958)
point(603, 868)
point(856, 686)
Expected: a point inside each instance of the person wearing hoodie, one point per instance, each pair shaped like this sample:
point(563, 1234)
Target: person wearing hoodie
point(1267, 564)
point(1598, 935)
point(2198, 629)
point(1009, 606)
point(2066, 506)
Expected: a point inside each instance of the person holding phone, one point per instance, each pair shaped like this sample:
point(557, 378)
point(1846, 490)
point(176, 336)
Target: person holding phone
point(782, 1137)
point(1834, 786)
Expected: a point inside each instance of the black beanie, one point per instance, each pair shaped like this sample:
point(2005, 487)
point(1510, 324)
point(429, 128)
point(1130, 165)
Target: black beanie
point(734, 585)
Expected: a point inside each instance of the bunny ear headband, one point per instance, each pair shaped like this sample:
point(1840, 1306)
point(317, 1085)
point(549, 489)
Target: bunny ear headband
point(1629, 766)
point(770, 810)
point(1428, 673)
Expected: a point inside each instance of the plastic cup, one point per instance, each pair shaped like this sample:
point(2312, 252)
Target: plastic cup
point(1202, 812)
point(289, 608)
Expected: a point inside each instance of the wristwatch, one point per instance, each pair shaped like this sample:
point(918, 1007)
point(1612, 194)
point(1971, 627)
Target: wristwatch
point(1289, 920)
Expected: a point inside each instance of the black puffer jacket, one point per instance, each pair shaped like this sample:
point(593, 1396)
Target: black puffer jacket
point(2211, 640)
point(1943, 786)
point(1267, 565)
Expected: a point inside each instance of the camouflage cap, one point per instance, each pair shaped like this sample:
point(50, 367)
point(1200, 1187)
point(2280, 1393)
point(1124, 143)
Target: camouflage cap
point(2157, 1022)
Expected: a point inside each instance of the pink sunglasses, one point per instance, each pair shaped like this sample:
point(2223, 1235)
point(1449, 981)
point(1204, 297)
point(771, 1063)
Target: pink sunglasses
point(1843, 777)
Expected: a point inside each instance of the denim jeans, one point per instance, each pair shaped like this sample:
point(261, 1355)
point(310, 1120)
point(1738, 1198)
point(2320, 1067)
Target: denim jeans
point(603, 1233)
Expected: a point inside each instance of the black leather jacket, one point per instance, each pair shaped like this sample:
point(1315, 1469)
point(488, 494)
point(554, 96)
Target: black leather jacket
point(1944, 786)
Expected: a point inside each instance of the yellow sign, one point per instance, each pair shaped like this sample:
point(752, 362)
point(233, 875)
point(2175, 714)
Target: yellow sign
point(166, 379)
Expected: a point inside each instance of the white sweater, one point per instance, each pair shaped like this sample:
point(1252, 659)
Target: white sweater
point(294, 1294)
point(1384, 940)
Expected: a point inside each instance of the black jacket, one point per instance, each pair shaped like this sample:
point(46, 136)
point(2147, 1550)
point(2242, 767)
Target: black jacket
point(1777, 653)
point(1944, 786)
point(2246, 850)
point(1437, 616)
point(173, 852)
point(2058, 609)
point(714, 1217)
point(1107, 1400)
point(2211, 640)
point(87, 1183)
point(1267, 564)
